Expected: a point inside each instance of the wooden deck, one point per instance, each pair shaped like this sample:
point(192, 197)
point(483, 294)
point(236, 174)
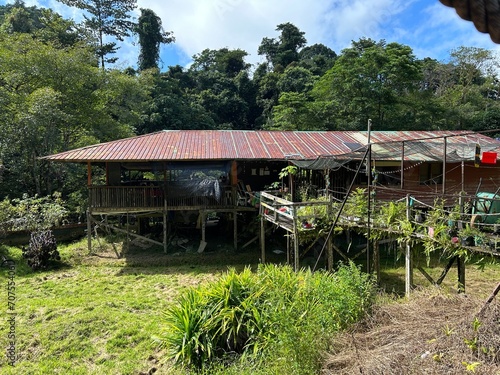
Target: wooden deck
point(136, 199)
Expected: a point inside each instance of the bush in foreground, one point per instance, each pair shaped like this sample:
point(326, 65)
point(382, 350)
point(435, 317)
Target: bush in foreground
point(273, 319)
point(41, 250)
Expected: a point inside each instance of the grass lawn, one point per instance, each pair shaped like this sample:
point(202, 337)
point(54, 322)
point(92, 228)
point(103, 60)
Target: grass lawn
point(97, 314)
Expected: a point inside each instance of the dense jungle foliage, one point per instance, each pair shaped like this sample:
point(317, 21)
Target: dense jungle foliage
point(58, 90)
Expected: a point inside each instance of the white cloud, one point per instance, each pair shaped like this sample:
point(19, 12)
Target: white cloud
point(241, 24)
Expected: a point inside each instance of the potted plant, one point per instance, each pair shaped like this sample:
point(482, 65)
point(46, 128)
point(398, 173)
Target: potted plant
point(468, 235)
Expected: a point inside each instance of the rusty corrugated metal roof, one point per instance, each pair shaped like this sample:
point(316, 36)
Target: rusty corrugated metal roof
point(182, 145)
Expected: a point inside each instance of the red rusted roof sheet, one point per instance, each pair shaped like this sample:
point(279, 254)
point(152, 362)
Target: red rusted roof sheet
point(183, 145)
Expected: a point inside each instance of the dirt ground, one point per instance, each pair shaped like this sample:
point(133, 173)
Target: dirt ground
point(429, 333)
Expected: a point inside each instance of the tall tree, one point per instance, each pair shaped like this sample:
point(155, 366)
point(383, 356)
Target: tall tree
point(223, 87)
point(106, 17)
point(367, 81)
point(317, 58)
point(43, 24)
point(474, 95)
point(283, 51)
point(66, 101)
point(151, 36)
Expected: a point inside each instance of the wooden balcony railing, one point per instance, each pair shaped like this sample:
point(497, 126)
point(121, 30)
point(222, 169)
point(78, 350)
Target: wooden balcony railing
point(117, 197)
point(135, 198)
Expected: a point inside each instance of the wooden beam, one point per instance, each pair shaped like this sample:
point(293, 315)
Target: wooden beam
point(133, 235)
point(461, 274)
point(426, 275)
point(235, 230)
point(376, 260)
point(89, 231)
point(346, 258)
point(295, 242)
point(489, 300)
point(402, 165)
point(445, 271)
point(89, 174)
point(408, 254)
point(262, 238)
point(445, 150)
point(329, 251)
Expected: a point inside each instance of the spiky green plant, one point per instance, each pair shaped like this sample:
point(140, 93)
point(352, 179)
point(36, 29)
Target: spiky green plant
point(272, 313)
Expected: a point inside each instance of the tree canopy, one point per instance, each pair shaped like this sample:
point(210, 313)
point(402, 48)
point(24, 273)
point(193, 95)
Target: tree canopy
point(55, 95)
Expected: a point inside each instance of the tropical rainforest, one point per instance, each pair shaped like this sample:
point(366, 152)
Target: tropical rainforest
point(60, 90)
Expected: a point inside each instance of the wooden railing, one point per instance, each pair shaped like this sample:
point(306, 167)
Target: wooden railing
point(116, 197)
point(128, 198)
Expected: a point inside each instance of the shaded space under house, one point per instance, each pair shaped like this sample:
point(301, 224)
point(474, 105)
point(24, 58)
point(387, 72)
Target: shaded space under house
point(185, 178)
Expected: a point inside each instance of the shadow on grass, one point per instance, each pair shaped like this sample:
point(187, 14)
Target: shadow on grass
point(12, 256)
point(154, 260)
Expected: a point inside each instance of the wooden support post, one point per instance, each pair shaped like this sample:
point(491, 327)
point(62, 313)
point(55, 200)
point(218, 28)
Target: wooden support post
point(203, 219)
point(165, 231)
point(262, 237)
point(165, 216)
point(329, 249)
point(89, 231)
point(295, 241)
point(376, 260)
point(203, 225)
point(235, 228)
point(288, 249)
point(444, 164)
point(296, 250)
point(89, 174)
point(408, 254)
point(408, 269)
point(329, 242)
point(402, 165)
point(461, 274)
point(369, 192)
point(128, 236)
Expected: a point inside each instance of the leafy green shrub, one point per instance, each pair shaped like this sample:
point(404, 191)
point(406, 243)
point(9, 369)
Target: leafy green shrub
point(265, 320)
point(41, 250)
point(32, 213)
point(214, 321)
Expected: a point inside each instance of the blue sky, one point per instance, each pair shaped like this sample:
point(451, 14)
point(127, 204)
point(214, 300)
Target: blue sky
point(430, 28)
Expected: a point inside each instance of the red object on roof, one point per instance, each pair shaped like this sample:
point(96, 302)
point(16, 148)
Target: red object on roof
point(489, 157)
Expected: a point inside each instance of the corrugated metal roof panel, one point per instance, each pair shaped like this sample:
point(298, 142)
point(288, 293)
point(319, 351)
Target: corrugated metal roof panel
point(275, 145)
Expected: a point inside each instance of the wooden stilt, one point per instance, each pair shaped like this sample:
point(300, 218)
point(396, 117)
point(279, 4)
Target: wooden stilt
point(262, 239)
point(408, 269)
point(376, 260)
point(165, 231)
point(461, 274)
point(408, 254)
point(296, 249)
point(329, 248)
point(288, 249)
point(203, 242)
point(128, 234)
point(89, 231)
point(235, 228)
point(295, 241)
point(203, 225)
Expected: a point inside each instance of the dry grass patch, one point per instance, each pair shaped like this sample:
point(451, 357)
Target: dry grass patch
point(430, 333)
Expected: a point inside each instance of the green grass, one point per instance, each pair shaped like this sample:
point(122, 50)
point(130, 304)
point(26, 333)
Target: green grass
point(90, 318)
point(97, 314)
